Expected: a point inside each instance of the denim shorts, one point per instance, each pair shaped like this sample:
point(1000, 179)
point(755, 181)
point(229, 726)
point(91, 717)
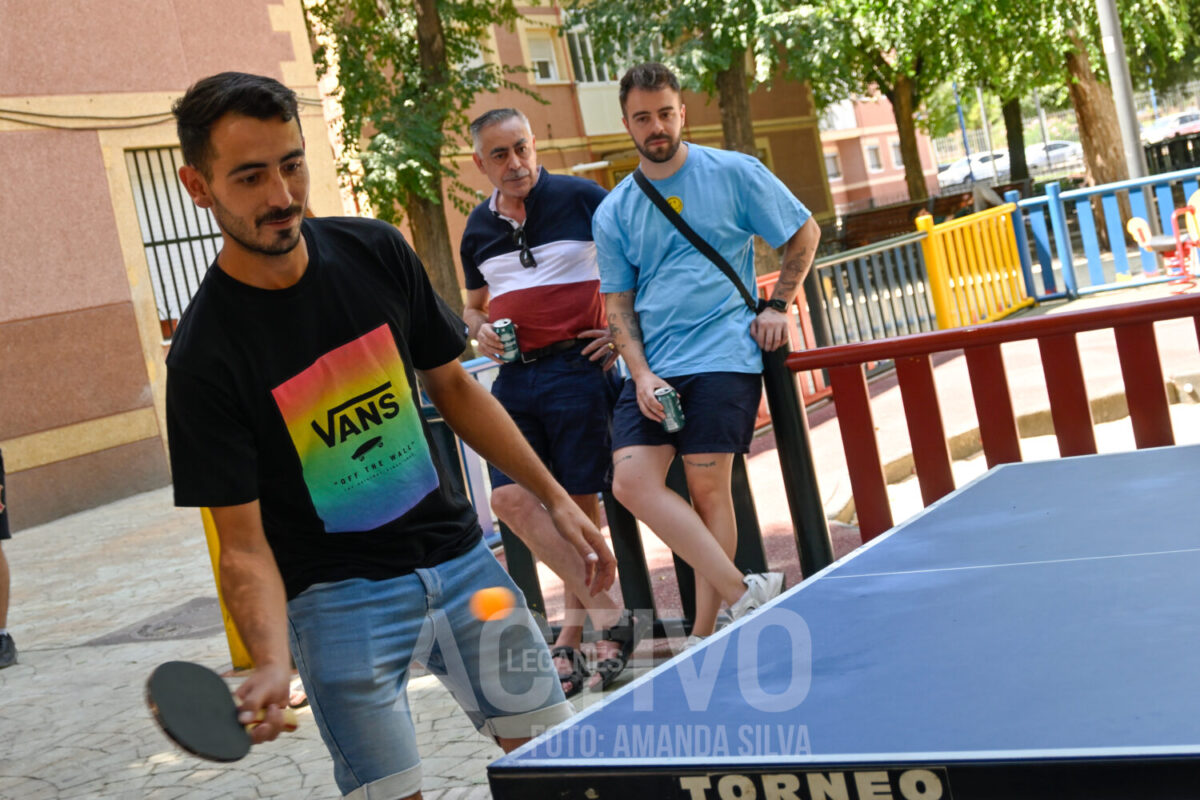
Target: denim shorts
point(563, 404)
point(354, 641)
point(719, 409)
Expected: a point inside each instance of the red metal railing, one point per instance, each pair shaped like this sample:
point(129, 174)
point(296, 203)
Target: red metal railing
point(1141, 372)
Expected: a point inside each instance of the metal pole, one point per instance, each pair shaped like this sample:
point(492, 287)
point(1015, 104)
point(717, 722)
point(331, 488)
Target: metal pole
point(1037, 102)
point(1153, 98)
point(1122, 87)
point(987, 128)
point(796, 461)
point(962, 126)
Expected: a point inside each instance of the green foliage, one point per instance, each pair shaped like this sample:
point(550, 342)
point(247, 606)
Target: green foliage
point(408, 110)
point(846, 48)
point(1010, 45)
point(698, 38)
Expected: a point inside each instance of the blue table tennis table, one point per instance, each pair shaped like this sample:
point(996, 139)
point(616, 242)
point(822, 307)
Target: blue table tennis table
point(1035, 634)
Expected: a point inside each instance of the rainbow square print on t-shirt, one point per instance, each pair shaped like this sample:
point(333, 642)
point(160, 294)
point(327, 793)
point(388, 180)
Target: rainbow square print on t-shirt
point(358, 434)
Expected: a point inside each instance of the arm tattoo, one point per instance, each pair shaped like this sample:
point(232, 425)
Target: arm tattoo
point(791, 274)
point(625, 322)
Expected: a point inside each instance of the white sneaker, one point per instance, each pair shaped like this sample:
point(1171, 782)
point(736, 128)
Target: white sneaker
point(692, 641)
point(761, 588)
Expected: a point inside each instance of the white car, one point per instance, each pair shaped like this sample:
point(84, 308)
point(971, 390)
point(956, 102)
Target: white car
point(980, 166)
point(1168, 126)
point(1053, 153)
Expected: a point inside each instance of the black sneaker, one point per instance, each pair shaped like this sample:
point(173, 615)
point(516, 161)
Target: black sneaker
point(8, 651)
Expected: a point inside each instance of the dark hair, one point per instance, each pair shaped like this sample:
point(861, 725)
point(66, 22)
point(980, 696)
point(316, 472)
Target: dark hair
point(213, 97)
point(650, 76)
point(494, 117)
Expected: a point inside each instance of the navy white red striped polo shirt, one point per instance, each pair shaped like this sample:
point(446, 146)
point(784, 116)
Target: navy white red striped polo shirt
point(558, 298)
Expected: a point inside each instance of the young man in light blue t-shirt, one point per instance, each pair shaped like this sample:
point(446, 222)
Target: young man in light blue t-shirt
point(679, 321)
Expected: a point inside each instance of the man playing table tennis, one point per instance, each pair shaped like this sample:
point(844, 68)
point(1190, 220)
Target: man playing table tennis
point(293, 412)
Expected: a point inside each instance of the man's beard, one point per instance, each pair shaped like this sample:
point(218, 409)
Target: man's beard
point(233, 227)
point(665, 155)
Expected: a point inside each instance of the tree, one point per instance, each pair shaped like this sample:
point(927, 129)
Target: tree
point(847, 48)
point(1008, 46)
point(992, 55)
point(708, 42)
point(406, 78)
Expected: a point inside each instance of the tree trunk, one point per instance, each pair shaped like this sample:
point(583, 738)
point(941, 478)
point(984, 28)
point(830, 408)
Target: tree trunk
point(431, 240)
point(904, 104)
point(737, 126)
point(1096, 114)
point(1099, 133)
point(1015, 132)
point(431, 42)
point(427, 217)
point(733, 98)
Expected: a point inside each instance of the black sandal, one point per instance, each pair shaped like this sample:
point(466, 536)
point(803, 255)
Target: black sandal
point(624, 633)
point(579, 671)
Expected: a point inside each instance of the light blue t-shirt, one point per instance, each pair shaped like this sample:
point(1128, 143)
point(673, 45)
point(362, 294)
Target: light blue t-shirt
point(692, 317)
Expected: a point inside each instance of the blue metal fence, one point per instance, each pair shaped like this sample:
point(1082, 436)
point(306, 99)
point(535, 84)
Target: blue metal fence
point(1045, 225)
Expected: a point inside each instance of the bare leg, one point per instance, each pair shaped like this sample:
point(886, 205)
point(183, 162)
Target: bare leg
point(639, 482)
point(708, 481)
point(522, 512)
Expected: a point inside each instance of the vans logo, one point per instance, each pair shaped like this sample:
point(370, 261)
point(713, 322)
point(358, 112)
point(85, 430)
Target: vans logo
point(357, 415)
point(365, 447)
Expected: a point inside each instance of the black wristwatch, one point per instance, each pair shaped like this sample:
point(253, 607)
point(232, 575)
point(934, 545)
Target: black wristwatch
point(778, 305)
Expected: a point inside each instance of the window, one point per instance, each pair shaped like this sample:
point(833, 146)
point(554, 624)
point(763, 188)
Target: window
point(541, 54)
point(180, 239)
point(474, 58)
point(897, 156)
point(583, 60)
point(874, 159)
point(833, 166)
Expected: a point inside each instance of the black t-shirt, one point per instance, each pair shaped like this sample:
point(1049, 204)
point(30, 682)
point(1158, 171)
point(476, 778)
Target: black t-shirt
point(305, 399)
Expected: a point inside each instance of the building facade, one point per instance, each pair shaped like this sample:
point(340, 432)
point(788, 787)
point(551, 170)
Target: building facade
point(101, 246)
point(103, 249)
point(861, 149)
point(579, 128)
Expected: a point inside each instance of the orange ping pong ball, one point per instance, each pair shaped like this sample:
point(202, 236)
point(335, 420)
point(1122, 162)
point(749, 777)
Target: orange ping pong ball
point(492, 603)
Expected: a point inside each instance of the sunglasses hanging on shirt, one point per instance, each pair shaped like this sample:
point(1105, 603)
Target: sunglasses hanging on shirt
point(518, 238)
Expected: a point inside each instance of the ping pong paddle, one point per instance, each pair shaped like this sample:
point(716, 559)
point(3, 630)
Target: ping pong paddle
point(195, 708)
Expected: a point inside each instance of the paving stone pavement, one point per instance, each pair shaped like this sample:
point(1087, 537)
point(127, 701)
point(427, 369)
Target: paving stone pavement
point(73, 720)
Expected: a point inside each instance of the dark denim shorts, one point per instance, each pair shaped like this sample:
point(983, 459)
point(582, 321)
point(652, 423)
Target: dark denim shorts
point(563, 404)
point(718, 410)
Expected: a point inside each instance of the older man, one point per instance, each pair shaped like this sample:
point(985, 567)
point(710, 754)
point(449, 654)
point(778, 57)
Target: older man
point(528, 256)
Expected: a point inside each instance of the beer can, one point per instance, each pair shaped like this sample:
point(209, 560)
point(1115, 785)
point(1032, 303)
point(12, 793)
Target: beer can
point(670, 402)
point(507, 332)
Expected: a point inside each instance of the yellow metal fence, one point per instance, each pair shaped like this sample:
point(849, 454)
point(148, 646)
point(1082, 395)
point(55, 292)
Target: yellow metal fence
point(973, 266)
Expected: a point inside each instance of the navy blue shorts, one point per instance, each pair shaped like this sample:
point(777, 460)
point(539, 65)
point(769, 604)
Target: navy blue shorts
point(563, 404)
point(719, 409)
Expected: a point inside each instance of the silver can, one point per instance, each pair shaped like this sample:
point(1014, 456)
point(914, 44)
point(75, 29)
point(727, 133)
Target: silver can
point(507, 332)
point(669, 398)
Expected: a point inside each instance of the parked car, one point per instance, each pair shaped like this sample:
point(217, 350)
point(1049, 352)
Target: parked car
point(1170, 125)
point(1053, 153)
point(979, 166)
point(1188, 127)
